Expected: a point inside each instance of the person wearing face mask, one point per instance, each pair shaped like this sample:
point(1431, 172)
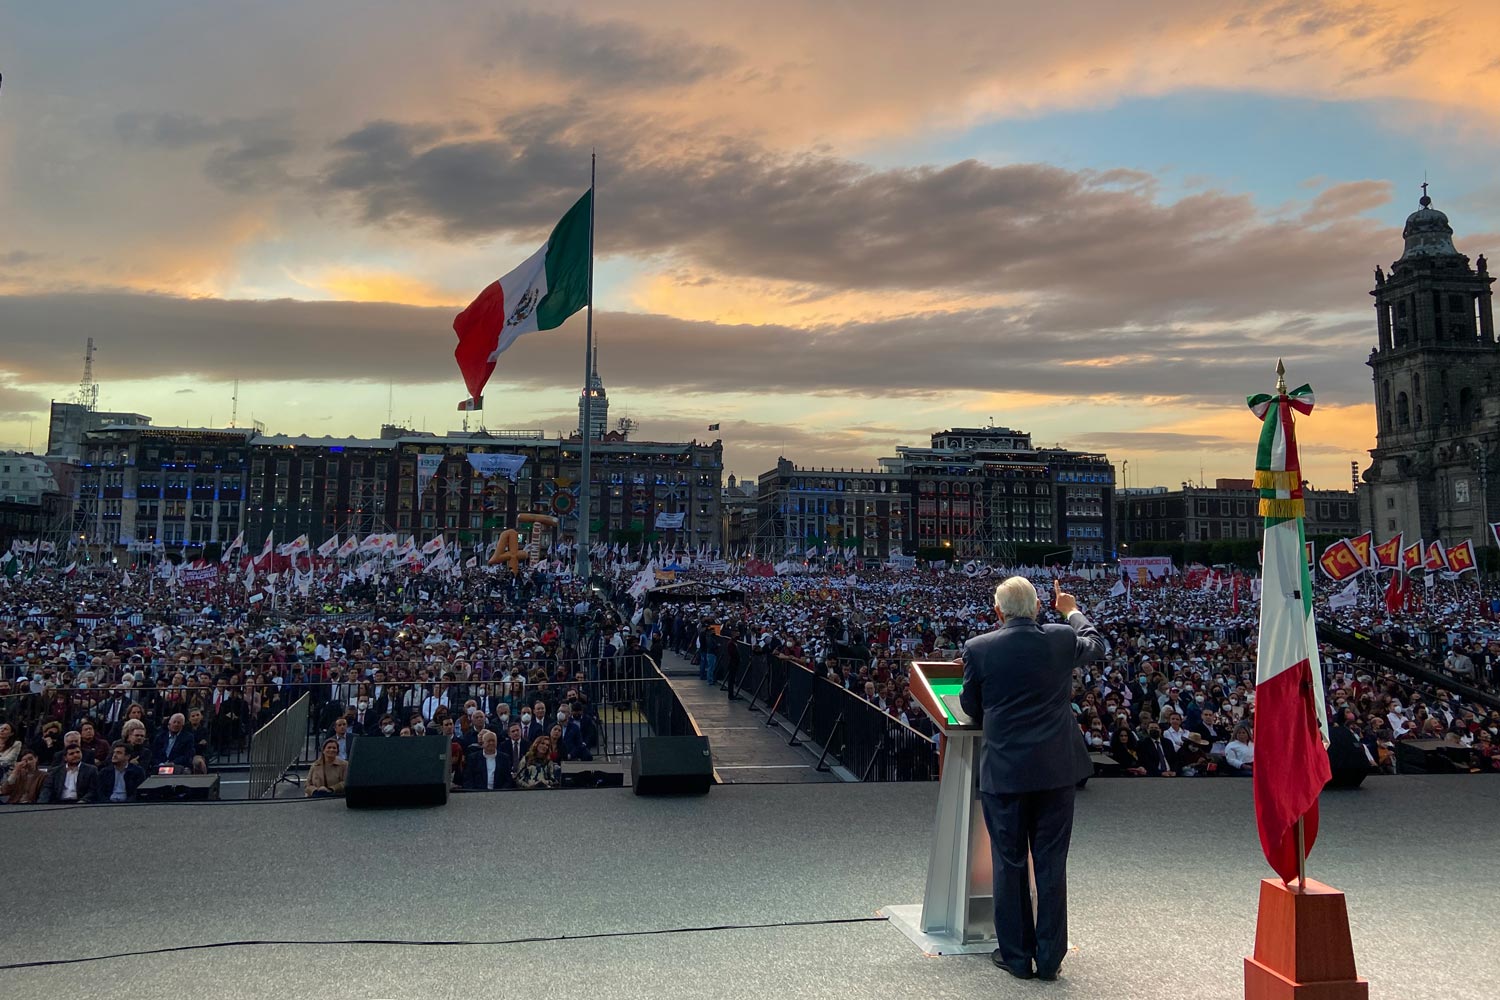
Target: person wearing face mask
point(387, 726)
point(1158, 755)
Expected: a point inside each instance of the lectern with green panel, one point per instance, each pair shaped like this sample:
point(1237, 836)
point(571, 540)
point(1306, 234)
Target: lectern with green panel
point(957, 912)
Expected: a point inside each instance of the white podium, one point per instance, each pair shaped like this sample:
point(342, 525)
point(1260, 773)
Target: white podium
point(957, 912)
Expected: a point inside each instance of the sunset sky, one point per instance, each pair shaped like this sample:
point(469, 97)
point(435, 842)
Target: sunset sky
point(831, 227)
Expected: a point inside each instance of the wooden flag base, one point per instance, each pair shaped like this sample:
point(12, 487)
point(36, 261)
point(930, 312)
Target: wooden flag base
point(1303, 949)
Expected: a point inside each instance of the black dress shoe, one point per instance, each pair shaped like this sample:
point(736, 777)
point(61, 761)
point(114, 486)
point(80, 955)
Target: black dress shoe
point(1049, 977)
point(1025, 973)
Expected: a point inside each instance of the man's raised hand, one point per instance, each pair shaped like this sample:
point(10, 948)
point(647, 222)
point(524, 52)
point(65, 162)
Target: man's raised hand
point(1064, 603)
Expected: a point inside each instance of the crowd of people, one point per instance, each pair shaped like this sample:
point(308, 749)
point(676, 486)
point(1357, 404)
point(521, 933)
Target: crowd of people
point(1174, 697)
point(105, 679)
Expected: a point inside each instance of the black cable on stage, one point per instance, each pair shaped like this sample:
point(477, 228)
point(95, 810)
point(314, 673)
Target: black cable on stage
point(404, 943)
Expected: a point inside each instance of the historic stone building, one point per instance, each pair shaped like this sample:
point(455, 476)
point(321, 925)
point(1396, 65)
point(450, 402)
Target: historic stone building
point(1437, 391)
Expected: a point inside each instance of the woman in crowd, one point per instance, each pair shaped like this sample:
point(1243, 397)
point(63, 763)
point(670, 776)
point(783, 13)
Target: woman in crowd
point(328, 773)
point(10, 748)
point(538, 769)
point(1239, 755)
point(1124, 747)
point(24, 783)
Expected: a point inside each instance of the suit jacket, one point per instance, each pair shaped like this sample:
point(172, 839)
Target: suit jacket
point(1157, 764)
point(104, 784)
point(532, 730)
point(182, 750)
point(88, 776)
point(476, 772)
point(1019, 680)
point(573, 744)
point(510, 755)
point(1344, 751)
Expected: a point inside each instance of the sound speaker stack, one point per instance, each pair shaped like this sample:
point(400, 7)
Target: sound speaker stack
point(397, 771)
point(671, 765)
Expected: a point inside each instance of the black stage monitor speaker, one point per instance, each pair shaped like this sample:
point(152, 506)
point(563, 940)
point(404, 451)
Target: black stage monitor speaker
point(667, 765)
point(179, 788)
point(397, 771)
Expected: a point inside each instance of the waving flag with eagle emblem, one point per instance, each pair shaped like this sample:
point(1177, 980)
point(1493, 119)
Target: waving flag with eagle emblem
point(548, 287)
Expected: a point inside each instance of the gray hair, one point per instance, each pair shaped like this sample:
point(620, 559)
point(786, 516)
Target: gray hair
point(1015, 597)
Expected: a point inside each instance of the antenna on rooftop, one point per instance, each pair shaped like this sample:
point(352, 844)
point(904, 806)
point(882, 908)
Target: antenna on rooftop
point(88, 389)
point(234, 404)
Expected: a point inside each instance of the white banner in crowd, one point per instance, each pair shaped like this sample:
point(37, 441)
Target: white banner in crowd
point(665, 520)
point(491, 464)
point(1156, 567)
point(1346, 598)
point(896, 560)
point(426, 466)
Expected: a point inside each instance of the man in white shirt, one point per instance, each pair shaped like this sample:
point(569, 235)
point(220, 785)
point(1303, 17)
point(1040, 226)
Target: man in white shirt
point(74, 782)
point(487, 770)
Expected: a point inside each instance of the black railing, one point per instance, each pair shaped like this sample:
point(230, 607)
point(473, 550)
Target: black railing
point(848, 731)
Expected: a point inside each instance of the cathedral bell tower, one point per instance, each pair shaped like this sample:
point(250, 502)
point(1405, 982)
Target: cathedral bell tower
point(1437, 375)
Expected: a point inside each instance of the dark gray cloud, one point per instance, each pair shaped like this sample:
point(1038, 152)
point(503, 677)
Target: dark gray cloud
point(1104, 243)
point(246, 154)
point(992, 350)
point(612, 55)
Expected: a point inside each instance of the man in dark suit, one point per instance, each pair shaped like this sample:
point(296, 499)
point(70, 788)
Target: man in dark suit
point(175, 744)
point(514, 746)
point(1019, 680)
point(72, 780)
point(1158, 756)
point(487, 769)
point(119, 781)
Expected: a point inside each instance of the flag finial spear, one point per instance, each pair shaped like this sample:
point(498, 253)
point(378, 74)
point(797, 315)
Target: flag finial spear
point(1280, 377)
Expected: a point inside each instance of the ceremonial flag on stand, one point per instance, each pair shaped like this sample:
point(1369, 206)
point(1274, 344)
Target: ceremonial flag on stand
point(1388, 553)
point(1461, 557)
point(1291, 765)
point(547, 288)
point(1436, 558)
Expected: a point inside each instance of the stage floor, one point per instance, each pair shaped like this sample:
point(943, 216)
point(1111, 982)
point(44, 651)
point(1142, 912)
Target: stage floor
point(1163, 884)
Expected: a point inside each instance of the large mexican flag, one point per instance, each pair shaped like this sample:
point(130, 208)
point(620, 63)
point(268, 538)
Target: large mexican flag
point(1291, 762)
point(548, 287)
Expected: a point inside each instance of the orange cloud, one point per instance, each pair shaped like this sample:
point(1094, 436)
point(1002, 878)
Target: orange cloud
point(354, 284)
point(705, 297)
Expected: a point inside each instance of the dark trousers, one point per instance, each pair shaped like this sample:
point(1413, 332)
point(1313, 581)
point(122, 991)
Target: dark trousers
point(1040, 823)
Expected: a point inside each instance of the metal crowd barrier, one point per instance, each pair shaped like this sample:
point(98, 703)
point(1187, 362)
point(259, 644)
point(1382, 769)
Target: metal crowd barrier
point(276, 748)
point(869, 743)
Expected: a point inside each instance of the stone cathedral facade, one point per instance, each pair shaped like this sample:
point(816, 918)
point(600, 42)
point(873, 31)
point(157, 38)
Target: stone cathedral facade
point(1437, 392)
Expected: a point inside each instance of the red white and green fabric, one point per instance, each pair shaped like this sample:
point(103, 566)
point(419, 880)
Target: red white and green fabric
point(548, 287)
point(1291, 764)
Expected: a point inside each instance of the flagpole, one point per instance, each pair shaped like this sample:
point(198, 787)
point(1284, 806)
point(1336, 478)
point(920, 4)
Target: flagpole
point(585, 493)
